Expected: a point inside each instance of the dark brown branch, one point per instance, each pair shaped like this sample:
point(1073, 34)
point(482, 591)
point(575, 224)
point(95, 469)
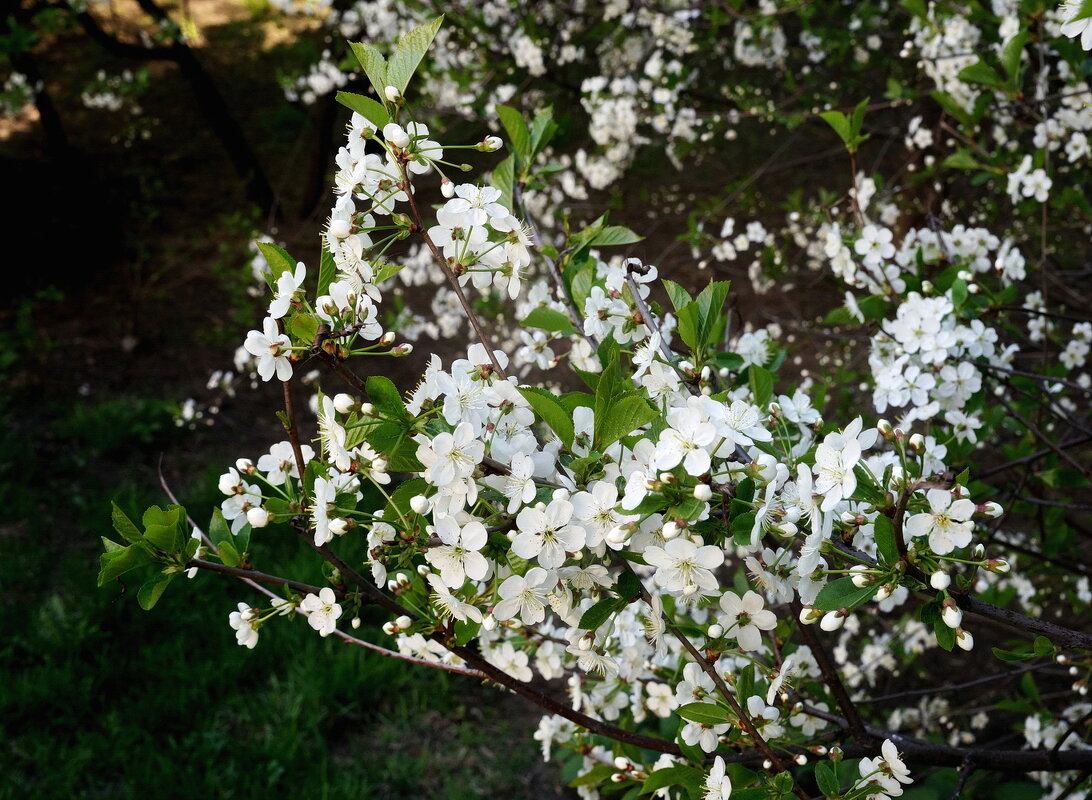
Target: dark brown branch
point(292, 428)
point(255, 575)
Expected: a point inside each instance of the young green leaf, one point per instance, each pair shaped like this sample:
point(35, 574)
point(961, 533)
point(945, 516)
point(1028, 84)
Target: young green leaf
point(407, 55)
point(368, 108)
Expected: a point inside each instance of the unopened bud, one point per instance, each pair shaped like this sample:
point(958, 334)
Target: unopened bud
point(389, 628)
point(367, 409)
point(884, 592)
point(951, 615)
point(621, 762)
point(340, 228)
point(860, 575)
point(423, 570)
point(339, 526)
point(1081, 688)
point(917, 443)
point(387, 339)
point(715, 631)
point(833, 620)
point(380, 465)
point(991, 510)
point(885, 429)
point(670, 530)
point(964, 639)
point(810, 615)
point(926, 287)
point(940, 580)
point(403, 349)
point(245, 466)
point(403, 622)
point(979, 550)
point(703, 492)
point(489, 622)
point(344, 403)
point(561, 495)
point(420, 504)
point(835, 754)
point(998, 565)
point(775, 409)
point(617, 777)
point(800, 759)
point(355, 623)
point(258, 517)
point(490, 144)
point(393, 96)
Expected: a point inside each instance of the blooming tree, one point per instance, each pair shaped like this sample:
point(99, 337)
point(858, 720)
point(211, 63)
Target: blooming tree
point(610, 495)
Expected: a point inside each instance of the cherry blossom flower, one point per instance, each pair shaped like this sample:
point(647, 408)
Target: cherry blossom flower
point(547, 535)
point(458, 558)
point(745, 618)
point(524, 596)
point(682, 566)
point(947, 523)
point(269, 345)
point(322, 610)
point(245, 623)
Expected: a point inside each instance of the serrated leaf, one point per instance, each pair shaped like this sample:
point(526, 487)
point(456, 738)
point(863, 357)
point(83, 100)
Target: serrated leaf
point(623, 418)
point(628, 586)
point(504, 179)
point(123, 525)
point(827, 778)
point(599, 613)
point(279, 261)
point(742, 527)
point(841, 593)
point(981, 73)
point(704, 713)
point(408, 53)
point(1008, 655)
point(549, 319)
point(116, 563)
point(840, 123)
point(593, 777)
point(884, 533)
point(228, 553)
point(961, 159)
point(148, 594)
point(552, 411)
point(386, 397)
point(519, 136)
point(678, 295)
point(1011, 53)
point(368, 108)
point(945, 635)
point(327, 272)
point(678, 775)
point(614, 235)
point(761, 381)
point(543, 129)
point(303, 327)
point(466, 631)
point(162, 528)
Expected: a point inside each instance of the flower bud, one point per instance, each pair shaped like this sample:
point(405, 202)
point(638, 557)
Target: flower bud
point(355, 623)
point(774, 409)
point(621, 762)
point(703, 492)
point(835, 754)
point(447, 188)
point(1081, 687)
point(367, 409)
point(245, 466)
point(491, 144)
point(670, 529)
point(617, 777)
point(420, 504)
point(885, 429)
point(706, 373)
point(402, 579)
point(860, 575)
point(991, 510)
point(395, 135)
point(926, 287)
point(489, 622)
point(423, 570)
point(951, 615)
point(715, 631)
point(940, 580)
point(258, 517)
point(339, 526)
point(884, 592)
point(617, 536)
point(403, 622)
point(917, 443)
point(998, 565)
point(979, 550)
point(403, 349)
point(344, 403)
point(340, 228)
point(389, 628)
point(809, 615)
point(964, 639)
point(800, 759)
point(393, 96)
point(230, 484)
point(380, 465)
point(387, 339)
point(833, 620)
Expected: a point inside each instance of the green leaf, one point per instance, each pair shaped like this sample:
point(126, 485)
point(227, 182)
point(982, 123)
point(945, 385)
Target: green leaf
point(374, 65)
point(1043, 646)
point(842, 593)
point(606, 392)
point(303, 327)
point(552, 411)
point(386, 397)
point(163, 528)
point(518, 134)
point(614, 235)
point(228, 553)
point(678, 775)
point(279, 261)
point(945, 635)
point(710, 302)
point(1010, 54)
point(466, 631)
point(327, 272)
point(386, 270)
point(408, 53)
point(1010, 655)
point(961, 159)
point(504, 179)
point(827, 778)
point(958, 293)
point(954, 109)
point(884, 533)
point(542, 130)
point(678, 295)
point(392, 439)
point(628, 586)
point(117, 562)
point(549, 319)
point(840, 123)
point(622, 418)
point(742, 526)
point(761, 381)
point(745, 490)
point(123, 525)
point(981, 73)
point(399, 504)
point(599, 613)
point(593, 777)
point(366, 107)
point(704, 713)
point(219, 530)
point(152, 590)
